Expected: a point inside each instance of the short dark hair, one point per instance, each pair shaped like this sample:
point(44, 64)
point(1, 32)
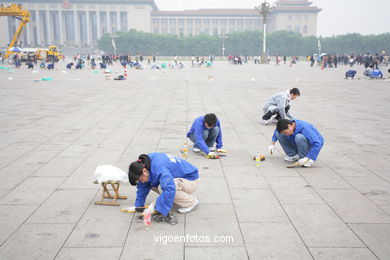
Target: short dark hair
point(136, 168)
point(295, 91)
point(210, 119)
point(283, 124)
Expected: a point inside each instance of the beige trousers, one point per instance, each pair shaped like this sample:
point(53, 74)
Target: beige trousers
point(184, 192)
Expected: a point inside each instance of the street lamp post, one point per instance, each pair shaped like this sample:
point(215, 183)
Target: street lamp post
point(319, 46)
point(113, 38)
point(264, 10)
point(223, 37)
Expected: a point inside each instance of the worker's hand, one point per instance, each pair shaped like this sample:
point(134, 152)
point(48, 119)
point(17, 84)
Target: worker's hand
point(271, 149)
point(221, 150)
point(211, 155)
point(303, 161)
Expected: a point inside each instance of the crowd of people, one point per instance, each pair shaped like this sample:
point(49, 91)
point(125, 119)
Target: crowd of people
point(372, 63)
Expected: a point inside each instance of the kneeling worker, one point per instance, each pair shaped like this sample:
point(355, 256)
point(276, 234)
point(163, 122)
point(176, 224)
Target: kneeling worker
point(173, 178)
point(279, 105)
point(300, 140)
point(205, 131)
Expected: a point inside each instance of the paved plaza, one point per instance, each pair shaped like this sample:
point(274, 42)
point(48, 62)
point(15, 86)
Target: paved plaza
point(55, 133)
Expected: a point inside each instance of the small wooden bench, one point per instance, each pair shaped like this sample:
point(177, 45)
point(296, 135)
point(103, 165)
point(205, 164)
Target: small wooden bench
point(107, 195)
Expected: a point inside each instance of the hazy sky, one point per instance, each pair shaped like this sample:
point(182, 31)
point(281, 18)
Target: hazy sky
point(336, 17)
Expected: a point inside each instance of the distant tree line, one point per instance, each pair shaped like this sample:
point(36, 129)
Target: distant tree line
point(243, 43)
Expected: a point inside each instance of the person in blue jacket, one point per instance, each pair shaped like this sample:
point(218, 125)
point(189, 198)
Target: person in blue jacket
point(376, 73)
point(204, 133)
point(173, 178)
point(300, 140)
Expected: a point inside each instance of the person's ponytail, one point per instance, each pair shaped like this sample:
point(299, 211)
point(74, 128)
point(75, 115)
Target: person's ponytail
point(136, 168)
point(145, 159)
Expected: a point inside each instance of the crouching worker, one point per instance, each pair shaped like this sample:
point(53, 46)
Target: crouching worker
point(350, 74)
point(376, 74)
point(300, 140)
point(279, 105)
point(204, 133)
point(173, 178)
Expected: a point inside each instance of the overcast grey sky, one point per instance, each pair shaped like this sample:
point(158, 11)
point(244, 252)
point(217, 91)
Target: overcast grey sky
point(336, 17)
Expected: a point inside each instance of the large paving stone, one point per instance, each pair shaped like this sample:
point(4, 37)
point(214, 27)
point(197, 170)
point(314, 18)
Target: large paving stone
point(342, 253)
point(36, 241)
point(101, 226)
point(211, 253)
point(354, 207)
point(273, 241)
point(257, 205)
point(376, 237)
point(319, 226)
point(60, 209)
point(12, 217)
point(161, 241)
point(34, 190)
point(89, 253)
point(213, 220)
point(294, 190)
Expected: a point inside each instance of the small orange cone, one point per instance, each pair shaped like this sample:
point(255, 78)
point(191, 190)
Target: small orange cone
point(125, 74)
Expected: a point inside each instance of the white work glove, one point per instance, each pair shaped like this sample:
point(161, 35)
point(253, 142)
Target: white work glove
point(303, 161)
point(221, 150)
point(211, 155)
point(271, 148)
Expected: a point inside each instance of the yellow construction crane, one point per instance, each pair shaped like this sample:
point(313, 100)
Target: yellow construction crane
point(16, 11)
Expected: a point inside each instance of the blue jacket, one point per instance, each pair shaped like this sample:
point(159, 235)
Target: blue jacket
point(376, 74)
point(311, 133)
point(164, 168)
point(197, 129)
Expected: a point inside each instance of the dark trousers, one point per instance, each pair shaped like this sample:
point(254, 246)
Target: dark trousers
point(269, 114)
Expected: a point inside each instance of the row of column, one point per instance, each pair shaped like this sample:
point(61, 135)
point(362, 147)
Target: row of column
point(81, 31)
point(220, 28)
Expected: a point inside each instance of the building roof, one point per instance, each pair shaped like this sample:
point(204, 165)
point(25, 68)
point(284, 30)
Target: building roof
point(292, 3)
point(295, 6)
point(296, 9)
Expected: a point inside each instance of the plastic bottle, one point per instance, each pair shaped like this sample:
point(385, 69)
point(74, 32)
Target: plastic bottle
point(258, 159)
point(148, 216)
point(185, 150)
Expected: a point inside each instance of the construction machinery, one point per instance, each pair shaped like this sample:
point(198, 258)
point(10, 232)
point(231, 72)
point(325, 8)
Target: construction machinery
point(52, 53)
point(23, 15)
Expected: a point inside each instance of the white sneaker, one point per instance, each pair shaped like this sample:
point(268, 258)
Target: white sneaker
point(189, 209)
point(274, 120)
point(196, 150)
point(309, 164)
point(264, 122)
point(293, 158)
point(212, 149)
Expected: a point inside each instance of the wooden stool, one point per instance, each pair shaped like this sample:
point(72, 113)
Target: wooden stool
point(107, 195)
point(108, 75)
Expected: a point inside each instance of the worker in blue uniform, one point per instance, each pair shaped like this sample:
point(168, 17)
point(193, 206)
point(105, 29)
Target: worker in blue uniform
point(300, 140)
point(173, 178)
point(205, 132)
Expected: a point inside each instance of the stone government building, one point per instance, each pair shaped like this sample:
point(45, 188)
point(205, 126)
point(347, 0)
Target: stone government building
point(79, 23)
